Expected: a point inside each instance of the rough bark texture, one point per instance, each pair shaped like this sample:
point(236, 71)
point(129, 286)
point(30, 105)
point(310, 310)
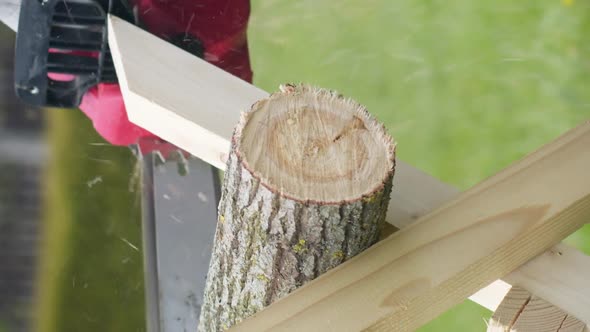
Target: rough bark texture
point(268, 245)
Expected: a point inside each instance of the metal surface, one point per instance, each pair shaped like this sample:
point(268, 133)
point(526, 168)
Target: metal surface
point(148, 222)
point(179, 219)
point(55, 37)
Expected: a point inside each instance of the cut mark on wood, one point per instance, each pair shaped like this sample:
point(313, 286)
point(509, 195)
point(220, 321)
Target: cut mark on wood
point(560, 276)
point(520, 311)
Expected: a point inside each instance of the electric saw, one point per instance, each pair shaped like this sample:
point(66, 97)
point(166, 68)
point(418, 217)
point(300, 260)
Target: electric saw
point(63, 60)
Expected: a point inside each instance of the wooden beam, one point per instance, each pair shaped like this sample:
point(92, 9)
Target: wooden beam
point(566, 284)
point(9, 11)
point(414, 275)
point(189, 114)
point(196, 105)
point(182, 98)
point(520, 311)
point(171, 115)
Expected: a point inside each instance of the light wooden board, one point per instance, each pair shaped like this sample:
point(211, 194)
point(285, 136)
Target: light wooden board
point(195, 105)
point(156, 106)
point(520, 311)
point(9, 12)
point(569, 277)
point(183, 99)
point(414, 275)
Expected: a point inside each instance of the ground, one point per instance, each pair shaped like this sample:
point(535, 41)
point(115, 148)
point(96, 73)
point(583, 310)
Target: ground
point(466, 88)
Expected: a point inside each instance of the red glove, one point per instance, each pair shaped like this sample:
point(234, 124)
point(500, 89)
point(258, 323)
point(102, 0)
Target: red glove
point(219, 25)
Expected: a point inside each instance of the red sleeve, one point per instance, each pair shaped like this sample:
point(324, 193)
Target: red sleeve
point(220, 25)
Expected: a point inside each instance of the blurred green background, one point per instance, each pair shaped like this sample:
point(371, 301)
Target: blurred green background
point(465, 87)
point(90, 273)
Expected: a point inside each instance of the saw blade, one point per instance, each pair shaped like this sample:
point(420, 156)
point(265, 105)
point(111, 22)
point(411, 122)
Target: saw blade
point(179, 221)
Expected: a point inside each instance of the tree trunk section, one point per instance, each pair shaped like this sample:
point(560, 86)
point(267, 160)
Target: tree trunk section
point(307, 186)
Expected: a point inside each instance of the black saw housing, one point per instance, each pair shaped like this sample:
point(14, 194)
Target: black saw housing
point(64, 37)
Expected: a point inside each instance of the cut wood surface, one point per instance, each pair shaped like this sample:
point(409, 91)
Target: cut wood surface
point(306, 188)
point(419, 272)
point(521, 311)
point(569, 278)
point(156, 107)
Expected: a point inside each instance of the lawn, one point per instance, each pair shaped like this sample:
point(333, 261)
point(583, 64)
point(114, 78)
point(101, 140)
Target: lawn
point(465, 87)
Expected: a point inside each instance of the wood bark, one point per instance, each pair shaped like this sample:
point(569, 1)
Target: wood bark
point(270, 240)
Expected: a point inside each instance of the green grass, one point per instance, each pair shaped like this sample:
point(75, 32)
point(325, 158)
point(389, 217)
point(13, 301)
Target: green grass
point(90, 278)
point(465, 87)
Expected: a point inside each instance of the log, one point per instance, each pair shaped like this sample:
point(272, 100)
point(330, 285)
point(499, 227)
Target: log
point(306, 187)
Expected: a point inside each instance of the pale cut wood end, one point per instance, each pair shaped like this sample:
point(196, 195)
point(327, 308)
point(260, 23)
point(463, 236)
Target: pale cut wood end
point(520, 311)
point(315, 145)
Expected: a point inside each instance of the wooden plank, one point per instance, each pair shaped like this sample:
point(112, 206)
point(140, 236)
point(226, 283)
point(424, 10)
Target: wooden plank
point(568, 277)
point(572, 324)
point(507, 313)
point(203, 104)
point(523, 312)
point(415, 192)
point(186, 99)
point(9, 11)
point(421, 271)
